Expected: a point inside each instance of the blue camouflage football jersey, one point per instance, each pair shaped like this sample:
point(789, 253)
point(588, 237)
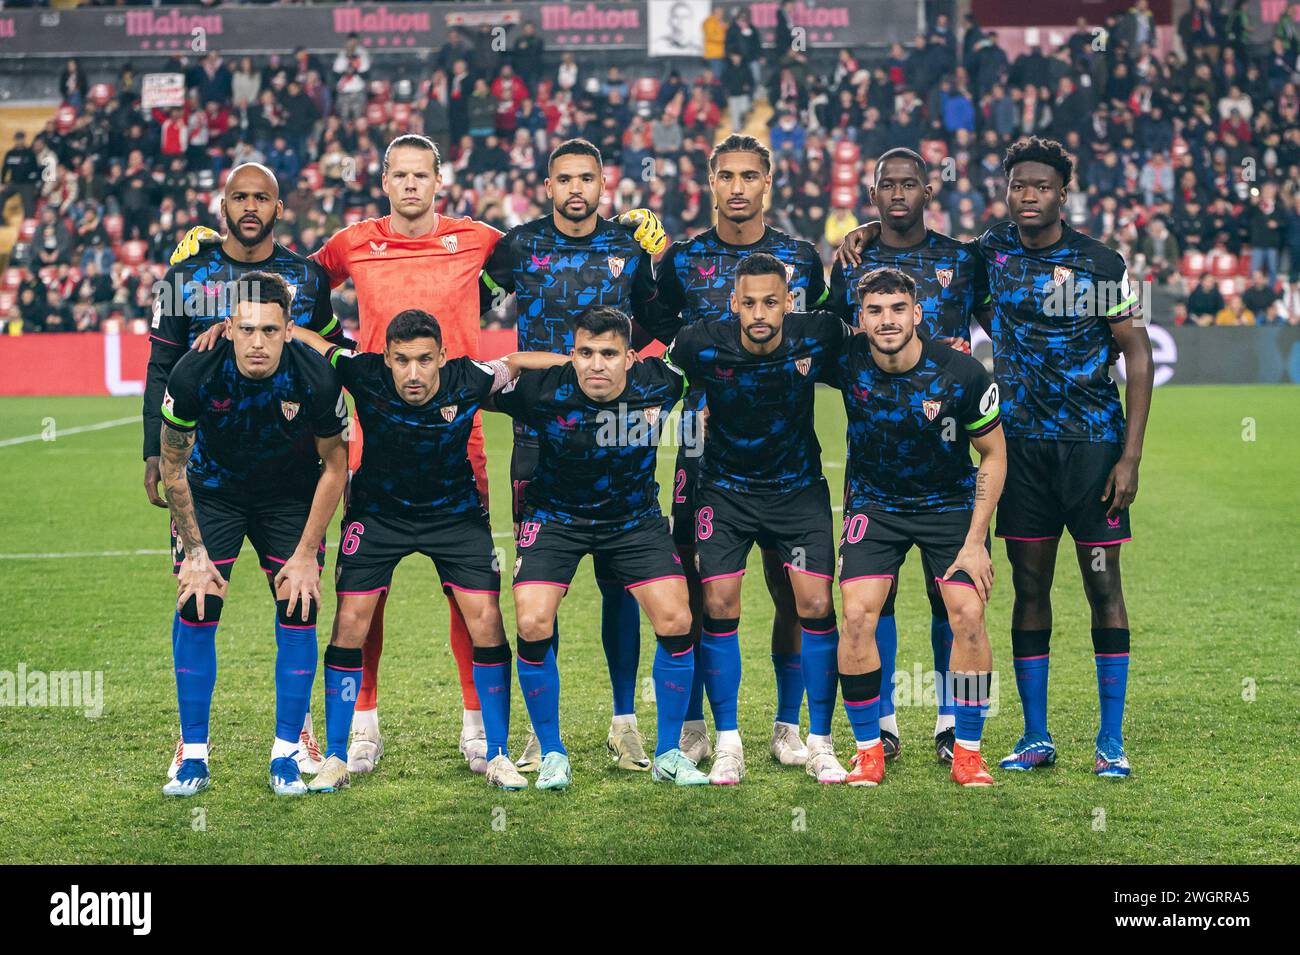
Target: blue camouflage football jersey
point(909, 433)
point(760, 434)
point(596, 460)
point(949, 276)
point(415, 459)
point(256, 436)
point(195, 294)
point(1052, 345)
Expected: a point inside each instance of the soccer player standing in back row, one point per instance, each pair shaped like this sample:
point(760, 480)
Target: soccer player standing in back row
point(696, 279)
point(950, 286)
point(558, 267)
point(1062, 302)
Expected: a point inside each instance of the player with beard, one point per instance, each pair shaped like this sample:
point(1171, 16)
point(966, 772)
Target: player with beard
point(696, 279)
point(558, 267)
point(914, 409)
point(199, 293)
point(1062, 304)
point(950, 288)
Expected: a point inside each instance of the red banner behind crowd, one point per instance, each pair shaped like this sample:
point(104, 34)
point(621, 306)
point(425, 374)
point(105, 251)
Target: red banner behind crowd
point(93, 364)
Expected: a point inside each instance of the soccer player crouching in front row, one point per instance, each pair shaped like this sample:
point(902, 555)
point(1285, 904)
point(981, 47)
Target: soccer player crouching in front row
point(415, 493)
point(246, 427)
point(594, 492)
point(914, 407)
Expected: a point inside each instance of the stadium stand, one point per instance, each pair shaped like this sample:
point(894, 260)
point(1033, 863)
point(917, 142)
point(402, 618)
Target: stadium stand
point(1187, 163)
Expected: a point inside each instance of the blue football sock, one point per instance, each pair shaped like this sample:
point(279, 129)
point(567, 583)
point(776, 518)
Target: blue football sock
point(695, 702)
point(539, 681)
point(1111, 649)
point(941, 644)
point(720, 660)
point(674, 667)
point(1031, 652)
point(620, 635)
point(861, 693)
point(295, 671)
point(342, 683)
point(194, 652)
point(887, 647)
point(821, 640)
point(492, 682)
point(789, 686)
point(971, 702)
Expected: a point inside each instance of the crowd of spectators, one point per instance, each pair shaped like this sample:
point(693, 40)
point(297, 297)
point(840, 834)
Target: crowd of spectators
point(1188, 163)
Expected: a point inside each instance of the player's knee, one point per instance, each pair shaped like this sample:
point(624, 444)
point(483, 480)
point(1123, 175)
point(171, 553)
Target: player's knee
point(720, 607)
point(860, 617)
point(211, 609)
point(816, 608)
point(535, 624)
point(676, 620)
point(294, 618)
point(966, 619)
point(1032, 587)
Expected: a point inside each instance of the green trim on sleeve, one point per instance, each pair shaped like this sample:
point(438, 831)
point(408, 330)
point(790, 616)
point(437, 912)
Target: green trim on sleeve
point(487, 280)
point(178, 421)
point(982, 422)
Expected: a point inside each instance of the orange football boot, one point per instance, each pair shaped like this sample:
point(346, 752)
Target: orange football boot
point(969, 768)
point(867, 767)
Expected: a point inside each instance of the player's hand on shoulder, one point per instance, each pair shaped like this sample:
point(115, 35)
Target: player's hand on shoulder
point(849, 253)
point(193, 243)
point(208, 338)
point(974, 558)
point(958, 343)
point(648, 230)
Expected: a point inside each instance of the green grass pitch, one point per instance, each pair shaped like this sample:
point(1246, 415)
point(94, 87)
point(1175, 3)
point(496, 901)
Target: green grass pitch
point(1211, 582)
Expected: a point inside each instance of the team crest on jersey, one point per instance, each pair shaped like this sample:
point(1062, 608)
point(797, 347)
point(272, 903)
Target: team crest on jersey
point(169, 403)
point(931, 408)
point(789, 272)
point(803, 364)
point(449, 413)
point(289, 409)
point(450, 243)
point(651, 416)
point(1061, 275)
point(378, 248)
point(944, 276)
point(615, 265)
point(293, 291)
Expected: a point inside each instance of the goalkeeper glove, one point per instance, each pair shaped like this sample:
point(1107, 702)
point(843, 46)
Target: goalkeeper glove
point(649, 232)
point(193, 244)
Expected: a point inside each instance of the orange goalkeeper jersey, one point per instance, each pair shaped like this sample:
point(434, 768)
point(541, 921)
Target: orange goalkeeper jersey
point(437, 272)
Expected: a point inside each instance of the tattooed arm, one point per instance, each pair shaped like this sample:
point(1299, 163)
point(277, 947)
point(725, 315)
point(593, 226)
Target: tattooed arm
point(198, 575)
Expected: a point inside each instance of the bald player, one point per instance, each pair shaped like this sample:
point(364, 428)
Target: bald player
point(200, 292)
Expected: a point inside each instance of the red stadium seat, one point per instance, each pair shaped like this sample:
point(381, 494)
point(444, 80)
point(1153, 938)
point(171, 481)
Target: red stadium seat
point(48, 273)
point(12, 279)
point(376, 114)
point(402, 114)
point(113, 226)
point(1227, 287)
point(1223, 264)
point(844, 174)
point(26, 230)
point(351, 216)
point(381, 91)
point(100, 94)
point(64, 119)
point(1243, 263)
point(221, 179)
point(1193, 266)
point(613, 175)
point(844, 197)
point(134, 252)
point(846, 151)
point(646, 88)
point(312, 174)
point(7, 300)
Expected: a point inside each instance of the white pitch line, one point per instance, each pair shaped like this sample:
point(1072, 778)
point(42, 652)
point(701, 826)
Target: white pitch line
point(98, 426)
point(86, 553)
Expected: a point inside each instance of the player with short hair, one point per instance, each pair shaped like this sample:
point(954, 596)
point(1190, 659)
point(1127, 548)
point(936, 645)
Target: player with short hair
point(696, 279)
point(197, 294)
point(1062, 303)
point(246, 427)
point(594, 492)
point(951, 289)
point(415, 493)
point(761, 482)
point(559, 266)
point(915, 406)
